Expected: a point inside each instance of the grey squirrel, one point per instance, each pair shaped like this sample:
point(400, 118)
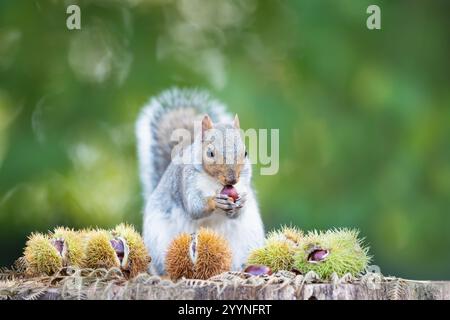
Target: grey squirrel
point(182, 197)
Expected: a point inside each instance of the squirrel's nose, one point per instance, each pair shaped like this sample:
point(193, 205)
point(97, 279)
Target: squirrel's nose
point(231, 177)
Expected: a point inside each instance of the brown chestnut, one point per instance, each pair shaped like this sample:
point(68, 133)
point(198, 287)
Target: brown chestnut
point(318, 255)
point(258, 270)
point(231, 192)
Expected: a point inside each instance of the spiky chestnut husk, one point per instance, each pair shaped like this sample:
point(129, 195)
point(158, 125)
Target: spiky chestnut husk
point(213, 254)
point(99, 253)
point(276, 254)
point(287, 233)
point(138, 257)
point(74, 245)
point(279, 249)
point(42, 255)
point(178, 261)
point(338, 250)
point(198, 256)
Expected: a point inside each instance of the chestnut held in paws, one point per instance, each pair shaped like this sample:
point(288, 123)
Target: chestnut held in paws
point(231, 192)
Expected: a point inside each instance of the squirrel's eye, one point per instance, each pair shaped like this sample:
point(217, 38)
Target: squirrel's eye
point(210, 153)
point(246, 154)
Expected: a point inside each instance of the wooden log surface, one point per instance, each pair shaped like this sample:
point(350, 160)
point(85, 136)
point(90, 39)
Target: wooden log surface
point(253, 288)
point(438, 290)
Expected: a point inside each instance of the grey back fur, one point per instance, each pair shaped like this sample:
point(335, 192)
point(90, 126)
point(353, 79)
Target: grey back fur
point(170, 110)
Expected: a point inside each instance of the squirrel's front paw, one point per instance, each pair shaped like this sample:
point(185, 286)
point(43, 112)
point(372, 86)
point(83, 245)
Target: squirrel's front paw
point(231, 208)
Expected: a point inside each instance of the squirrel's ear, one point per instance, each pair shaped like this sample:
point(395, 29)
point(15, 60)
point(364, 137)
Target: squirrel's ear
point(236, 122)
point(206, 124)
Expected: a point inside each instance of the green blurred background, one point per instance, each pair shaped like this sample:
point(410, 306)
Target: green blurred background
point(364, 116)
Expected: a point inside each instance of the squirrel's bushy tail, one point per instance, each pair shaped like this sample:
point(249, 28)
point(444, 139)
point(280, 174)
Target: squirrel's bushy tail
point(170, 110)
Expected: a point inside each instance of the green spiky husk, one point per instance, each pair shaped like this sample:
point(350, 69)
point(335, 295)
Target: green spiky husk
point(41, 256)
point(347, 253)
point(279, 249)
point(287, 233)
point(75, 241)
point(98, 251)
point(138, 256)
point(276, 254)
